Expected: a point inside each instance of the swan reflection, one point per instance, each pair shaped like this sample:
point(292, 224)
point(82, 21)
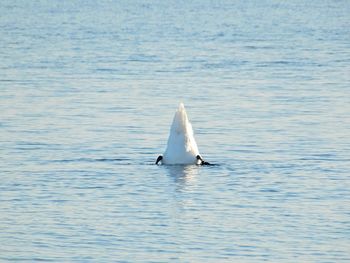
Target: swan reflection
point(183, 175)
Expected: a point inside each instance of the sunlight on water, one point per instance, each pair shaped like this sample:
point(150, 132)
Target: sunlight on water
point(88, 92)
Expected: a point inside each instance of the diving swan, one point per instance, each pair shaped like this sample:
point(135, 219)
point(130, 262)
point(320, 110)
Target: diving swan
point(182, 147)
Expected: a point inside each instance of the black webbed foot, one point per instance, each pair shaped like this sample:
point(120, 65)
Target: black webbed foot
point(202, 162)
point(159, 159)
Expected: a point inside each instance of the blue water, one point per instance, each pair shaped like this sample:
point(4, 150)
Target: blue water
point(88, 90)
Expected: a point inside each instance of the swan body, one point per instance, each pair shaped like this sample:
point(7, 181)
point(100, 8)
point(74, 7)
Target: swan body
point(182, 147)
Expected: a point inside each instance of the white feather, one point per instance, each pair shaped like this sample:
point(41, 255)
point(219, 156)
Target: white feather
point(182, 147)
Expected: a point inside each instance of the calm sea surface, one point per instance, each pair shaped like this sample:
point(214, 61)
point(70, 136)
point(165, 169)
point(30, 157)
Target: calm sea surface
point(88, 90)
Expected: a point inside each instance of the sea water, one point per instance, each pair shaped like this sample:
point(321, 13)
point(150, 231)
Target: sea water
point(88, 90)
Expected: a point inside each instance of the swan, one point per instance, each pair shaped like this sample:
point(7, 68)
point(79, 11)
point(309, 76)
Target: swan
point(182, 147)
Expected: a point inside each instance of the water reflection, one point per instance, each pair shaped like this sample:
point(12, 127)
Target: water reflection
point(183, 175)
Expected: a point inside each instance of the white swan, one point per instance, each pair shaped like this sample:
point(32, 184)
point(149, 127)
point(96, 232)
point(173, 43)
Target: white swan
point(182, 147)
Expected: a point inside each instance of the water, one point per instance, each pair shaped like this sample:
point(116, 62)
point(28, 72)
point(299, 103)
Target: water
point(88, 93)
